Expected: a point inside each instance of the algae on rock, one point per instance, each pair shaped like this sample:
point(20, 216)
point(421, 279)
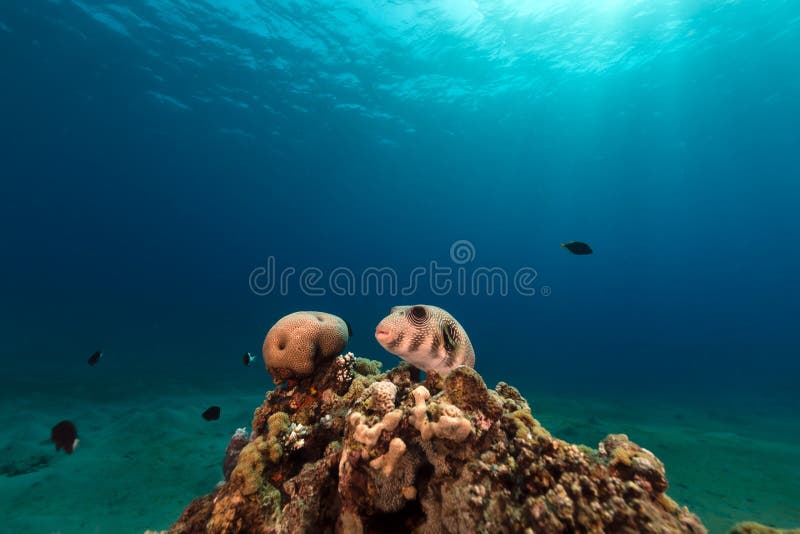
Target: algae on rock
point(350, 450)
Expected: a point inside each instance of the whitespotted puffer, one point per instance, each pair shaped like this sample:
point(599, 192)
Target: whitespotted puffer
point(427, 337)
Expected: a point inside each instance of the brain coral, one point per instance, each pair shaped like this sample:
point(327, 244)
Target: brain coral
point(299, 340)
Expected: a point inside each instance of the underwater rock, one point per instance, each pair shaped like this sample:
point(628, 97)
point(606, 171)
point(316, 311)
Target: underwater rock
point(13, 467)
point(449, 455)
point(238, 442)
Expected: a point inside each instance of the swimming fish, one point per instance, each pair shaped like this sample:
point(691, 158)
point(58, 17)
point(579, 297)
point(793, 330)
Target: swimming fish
point(248, 358)
point(577, 248)
point(212, 414)
point(427, 337)
point(65, 436)
point(94, 358)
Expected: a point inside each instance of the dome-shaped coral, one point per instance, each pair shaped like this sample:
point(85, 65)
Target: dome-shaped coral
point(298, 341)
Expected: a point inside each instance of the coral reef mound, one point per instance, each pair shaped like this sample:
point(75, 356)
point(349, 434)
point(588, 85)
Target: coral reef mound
point(340, 451)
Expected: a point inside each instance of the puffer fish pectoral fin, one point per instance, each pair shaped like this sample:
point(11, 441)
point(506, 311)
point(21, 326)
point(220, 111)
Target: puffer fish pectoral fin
point(450, 343)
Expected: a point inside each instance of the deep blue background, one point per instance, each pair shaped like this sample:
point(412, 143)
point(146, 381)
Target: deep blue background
point(132, 223)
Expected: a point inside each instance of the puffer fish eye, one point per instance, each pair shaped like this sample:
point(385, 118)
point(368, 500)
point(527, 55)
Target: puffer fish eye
point(417, 314)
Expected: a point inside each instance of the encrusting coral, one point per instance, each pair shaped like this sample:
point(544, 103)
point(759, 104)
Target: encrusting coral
point(382, 396)
point(342, 451)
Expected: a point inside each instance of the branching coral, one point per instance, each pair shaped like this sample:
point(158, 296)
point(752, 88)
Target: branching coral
point(451, 425)
point(387, 462)
point(369, 435)
point(419, 417)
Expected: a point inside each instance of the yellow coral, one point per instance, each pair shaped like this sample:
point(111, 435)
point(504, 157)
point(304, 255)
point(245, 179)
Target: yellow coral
point(278, 424)
point(527, 426)
point(249, 468)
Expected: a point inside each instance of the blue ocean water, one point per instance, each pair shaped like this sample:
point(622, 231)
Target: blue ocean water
point(159, 157)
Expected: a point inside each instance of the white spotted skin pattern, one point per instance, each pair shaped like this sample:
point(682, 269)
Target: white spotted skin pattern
point(427, 337)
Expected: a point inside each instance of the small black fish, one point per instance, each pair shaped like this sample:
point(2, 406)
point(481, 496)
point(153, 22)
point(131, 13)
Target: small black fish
point(65, 436)
point(212, 414)
point(94, 358)
point(349, 328)
point(248, 358)
point(578, 248)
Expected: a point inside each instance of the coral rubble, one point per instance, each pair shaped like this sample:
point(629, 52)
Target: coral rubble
point(343, 451)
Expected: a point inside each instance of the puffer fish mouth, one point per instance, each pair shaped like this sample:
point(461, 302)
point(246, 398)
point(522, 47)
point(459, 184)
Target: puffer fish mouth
point(383, 334)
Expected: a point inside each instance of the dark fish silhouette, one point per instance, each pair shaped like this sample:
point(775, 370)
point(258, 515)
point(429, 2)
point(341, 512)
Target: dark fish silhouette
point(248, 358)
point(349, 328)
point(212, 414)
point(65, 436)
point(578, 248)
point(94, 358)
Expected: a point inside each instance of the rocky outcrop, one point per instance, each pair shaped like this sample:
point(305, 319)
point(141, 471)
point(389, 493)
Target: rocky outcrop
point(342, 451)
